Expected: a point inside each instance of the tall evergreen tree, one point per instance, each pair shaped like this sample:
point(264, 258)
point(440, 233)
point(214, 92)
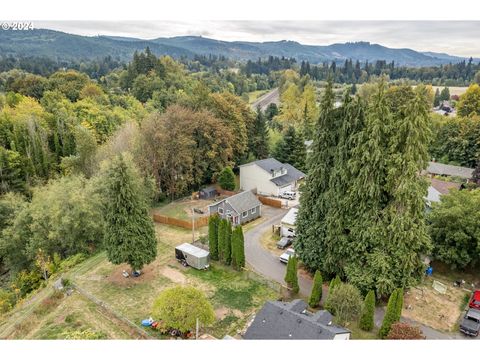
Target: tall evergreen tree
point(316, 294)
point(291, 277)
point(391, 315)
point(311, 226)
point(227, 256)
point(260, 136)
point(366, 321)
point(213, 223)
point(362, 210)
point(222, 238)
point(238, 248)
point(130, 235)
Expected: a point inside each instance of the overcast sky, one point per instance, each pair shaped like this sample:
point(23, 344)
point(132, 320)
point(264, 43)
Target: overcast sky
point(453, 37)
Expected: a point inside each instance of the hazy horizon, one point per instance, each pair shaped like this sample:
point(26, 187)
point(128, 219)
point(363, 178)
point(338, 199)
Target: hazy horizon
point(451, 37)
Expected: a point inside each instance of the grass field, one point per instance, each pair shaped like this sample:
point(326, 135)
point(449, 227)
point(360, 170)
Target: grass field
point(234, 296)
point(182, 209)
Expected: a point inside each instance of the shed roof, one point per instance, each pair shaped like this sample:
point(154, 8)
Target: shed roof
point(290, 217)
point(449, 170)
point(192, 250)
point(284, 321)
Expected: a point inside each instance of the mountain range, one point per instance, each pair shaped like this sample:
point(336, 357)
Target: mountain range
point(62, 46)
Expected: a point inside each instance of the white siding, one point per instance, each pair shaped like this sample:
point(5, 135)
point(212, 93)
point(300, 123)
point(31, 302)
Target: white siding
point(286, 232)
point(254, 177)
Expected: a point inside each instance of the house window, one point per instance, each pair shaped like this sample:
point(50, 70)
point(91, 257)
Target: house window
point(220, 211)
point(229, 212)
point(253, 211)
point(244, 214)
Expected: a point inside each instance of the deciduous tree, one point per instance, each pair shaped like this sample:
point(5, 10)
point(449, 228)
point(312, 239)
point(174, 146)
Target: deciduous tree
point(181, 307)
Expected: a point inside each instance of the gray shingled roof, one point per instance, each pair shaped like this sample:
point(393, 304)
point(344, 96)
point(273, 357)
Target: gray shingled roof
point(243, 201)
point(294, 172)
point(283, 321)
point(449, 170)
point(271, 164)
point(267, 164)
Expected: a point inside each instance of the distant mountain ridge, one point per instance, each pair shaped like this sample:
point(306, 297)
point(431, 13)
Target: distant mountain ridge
point(63, 46)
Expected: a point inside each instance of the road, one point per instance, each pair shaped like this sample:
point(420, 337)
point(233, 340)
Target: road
point(265, 100)
point(264, 262)
point(268, 265)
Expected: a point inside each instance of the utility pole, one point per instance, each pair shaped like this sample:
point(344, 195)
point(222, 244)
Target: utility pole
point(193, 228)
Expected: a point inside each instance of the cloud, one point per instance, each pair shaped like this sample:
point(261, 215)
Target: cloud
point(452, 37)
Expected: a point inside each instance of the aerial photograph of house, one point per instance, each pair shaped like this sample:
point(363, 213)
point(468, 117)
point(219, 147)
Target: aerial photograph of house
point(239, 209)
point(269, 177)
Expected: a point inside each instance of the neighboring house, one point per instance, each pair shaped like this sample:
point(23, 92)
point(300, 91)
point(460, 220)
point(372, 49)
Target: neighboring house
point(279, 320)
point(269, 177)
point(436, 168)
point(239, 208)
point(438, 188)
point(287, 224)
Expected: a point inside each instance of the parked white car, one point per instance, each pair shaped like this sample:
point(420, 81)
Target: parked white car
point(286, 255)
point(289, 195)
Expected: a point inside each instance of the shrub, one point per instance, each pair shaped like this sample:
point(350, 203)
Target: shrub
point(402, 331)
point(368, 312)
point(345, 302)
point(7, 301)
point(27, 281)
point(226, 179)
point(87, 334)
point(316, 294)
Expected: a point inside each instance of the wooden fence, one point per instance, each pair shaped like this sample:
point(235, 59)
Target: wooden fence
point(186, 224)
point(270, 202)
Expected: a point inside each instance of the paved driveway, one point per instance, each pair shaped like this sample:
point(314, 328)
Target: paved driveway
point(264, 262)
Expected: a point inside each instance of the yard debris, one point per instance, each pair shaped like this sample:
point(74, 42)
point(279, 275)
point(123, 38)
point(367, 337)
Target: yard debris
point(439, 287)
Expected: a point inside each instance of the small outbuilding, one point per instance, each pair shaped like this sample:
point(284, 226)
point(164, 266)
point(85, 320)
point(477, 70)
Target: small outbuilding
point(208, 192)
point(193, 256)
point(288, 223)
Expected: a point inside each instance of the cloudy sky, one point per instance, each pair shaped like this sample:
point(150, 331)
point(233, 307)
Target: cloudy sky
point(452, 37)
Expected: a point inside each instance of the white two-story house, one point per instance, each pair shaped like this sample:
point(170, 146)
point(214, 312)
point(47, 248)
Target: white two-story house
point(269, 177)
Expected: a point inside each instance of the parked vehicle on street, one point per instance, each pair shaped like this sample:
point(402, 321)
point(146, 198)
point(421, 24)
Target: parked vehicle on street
point(475, 300)
point(289, 195)
point(286, 255)
point(470, 324)
point(284, 242)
